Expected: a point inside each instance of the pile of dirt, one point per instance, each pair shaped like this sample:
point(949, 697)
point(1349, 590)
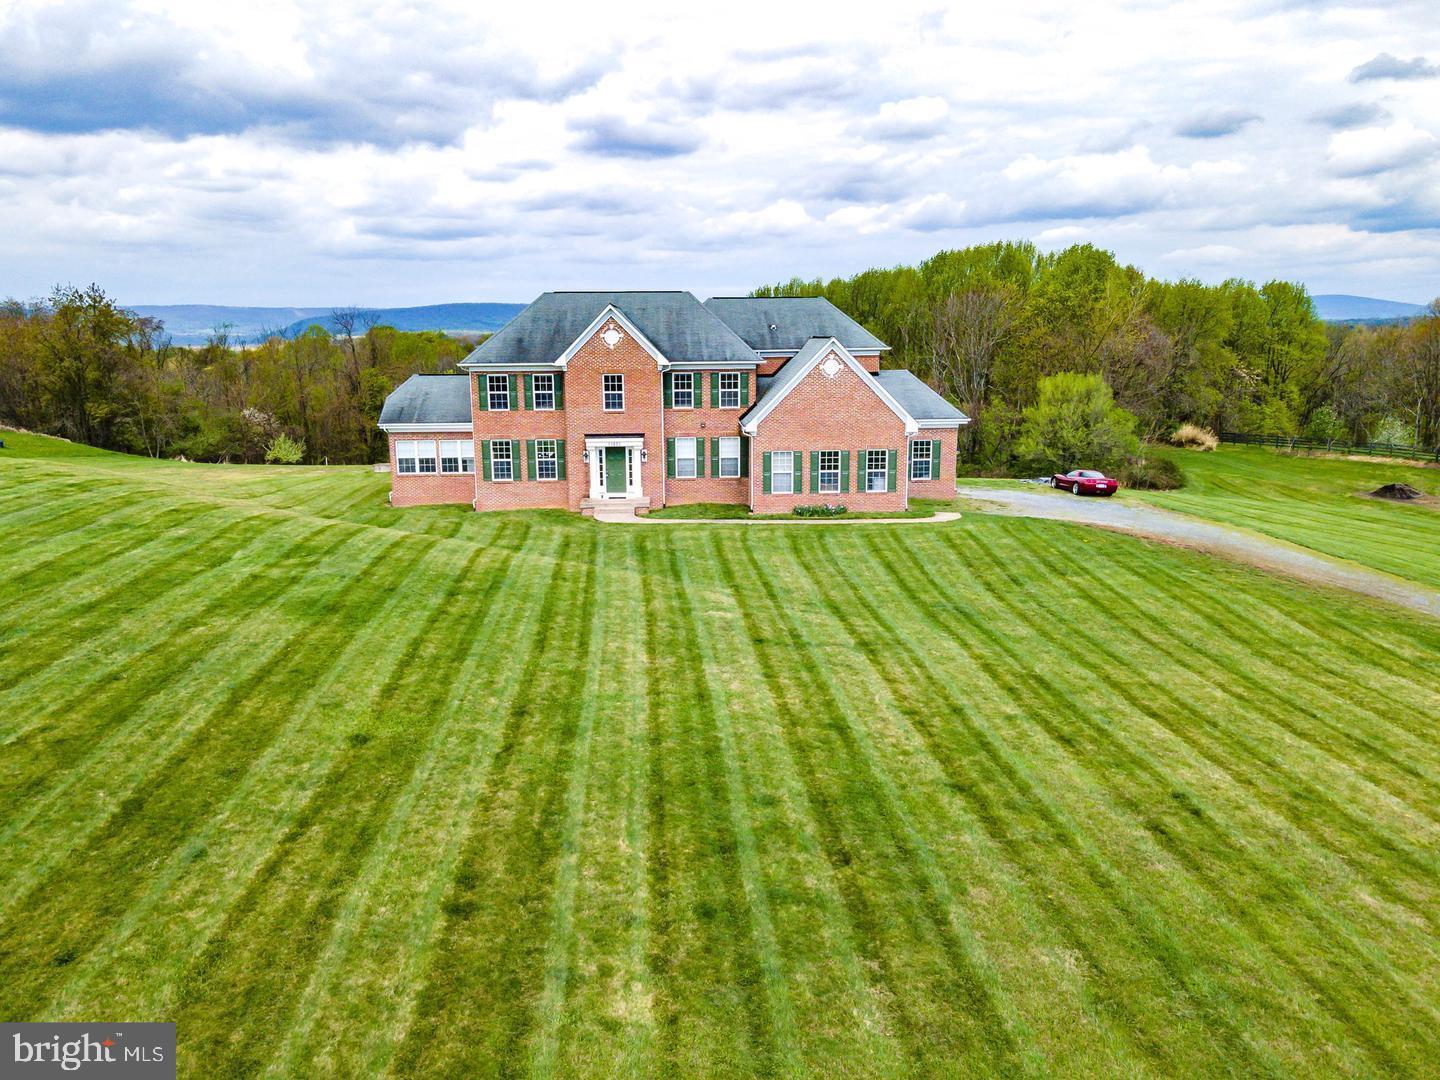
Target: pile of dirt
point(1403, 492)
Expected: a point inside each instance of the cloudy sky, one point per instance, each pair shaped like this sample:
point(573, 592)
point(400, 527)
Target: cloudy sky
point(403, 152)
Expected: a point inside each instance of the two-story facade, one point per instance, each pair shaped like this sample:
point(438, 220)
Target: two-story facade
point(656, 399)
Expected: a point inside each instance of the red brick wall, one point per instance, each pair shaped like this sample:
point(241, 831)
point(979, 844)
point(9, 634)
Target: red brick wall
point(585, 412)
point(771, 364)
point(423, 489)
point(824, 413)
point(707, 423)
point(520, 424)
point(943, 486)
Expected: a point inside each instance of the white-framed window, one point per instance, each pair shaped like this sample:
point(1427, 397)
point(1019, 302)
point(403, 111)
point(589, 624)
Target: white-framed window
point(406, 455)
point(613, 390)
point(829, 471)
point(502, 465)
point(682, 389)
point(547, 460)
point(782, 473)
point(729, 457)
point(921, 467)
point(498, 392)
point(877, 470)
point(543, 392)
point(684, 459)
point(730, 391)
point(457, 455)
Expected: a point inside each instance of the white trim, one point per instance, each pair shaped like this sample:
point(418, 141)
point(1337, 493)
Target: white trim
point(612, 312)
point(713, 365)
point(417, 429)
point(940, 425)
point(497, 368)
point(604, 393)
point(767, 354)
point(632, 445)
point(766, 407)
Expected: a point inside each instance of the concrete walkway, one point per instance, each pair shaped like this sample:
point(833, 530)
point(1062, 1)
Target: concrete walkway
point(625, 515)
point(1255, 549)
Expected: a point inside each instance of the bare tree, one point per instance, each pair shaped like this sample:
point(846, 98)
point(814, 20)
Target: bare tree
point(968, 331)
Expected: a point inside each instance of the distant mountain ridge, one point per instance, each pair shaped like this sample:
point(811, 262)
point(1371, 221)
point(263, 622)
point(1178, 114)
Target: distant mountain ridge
point(1341, 307)
point(193, 324)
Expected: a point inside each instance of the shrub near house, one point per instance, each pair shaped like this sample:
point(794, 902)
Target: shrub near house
point(656, 399)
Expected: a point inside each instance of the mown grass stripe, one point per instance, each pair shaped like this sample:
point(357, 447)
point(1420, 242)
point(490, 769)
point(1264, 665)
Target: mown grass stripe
point(112, 868)
point(1161, 832)
point(243, 989)
point(233, 843)
point(981, 1031)
point(558, 955)
point(128, 735)
point(781, 1021)
point(710, 1005)
point(1222, 832)
point(394, 909)
point(844, 1016)
point(1071, 851)
point(477, 1004)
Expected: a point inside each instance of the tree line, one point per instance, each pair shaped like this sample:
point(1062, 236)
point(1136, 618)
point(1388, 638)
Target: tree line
point(76, 364)
point(986, 324)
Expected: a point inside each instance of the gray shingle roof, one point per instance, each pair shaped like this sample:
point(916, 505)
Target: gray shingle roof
point(428, 399)
point(918, 399)
point(675, 322)
point(785, 323)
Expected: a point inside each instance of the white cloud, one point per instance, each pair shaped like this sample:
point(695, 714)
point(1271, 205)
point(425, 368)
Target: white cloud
point(1372, 150)
point(328, 152)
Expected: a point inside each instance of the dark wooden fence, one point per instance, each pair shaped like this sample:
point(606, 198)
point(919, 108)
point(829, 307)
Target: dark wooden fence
point(1294, 442)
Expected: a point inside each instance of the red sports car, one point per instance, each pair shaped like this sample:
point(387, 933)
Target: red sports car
point(1085, 482)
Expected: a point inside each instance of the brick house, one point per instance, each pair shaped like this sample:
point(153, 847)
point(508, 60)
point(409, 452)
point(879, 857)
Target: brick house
point(656, 399)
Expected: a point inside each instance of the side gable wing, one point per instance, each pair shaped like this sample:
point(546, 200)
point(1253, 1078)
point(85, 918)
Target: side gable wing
point(815, 353)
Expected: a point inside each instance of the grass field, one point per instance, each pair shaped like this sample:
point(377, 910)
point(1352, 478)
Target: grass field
point(1317, 502)
point(345, 790)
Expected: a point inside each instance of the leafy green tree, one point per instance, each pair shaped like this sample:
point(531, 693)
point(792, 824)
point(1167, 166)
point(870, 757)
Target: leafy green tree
point(1075, 423)
point(283, 450)
point(1325, 425)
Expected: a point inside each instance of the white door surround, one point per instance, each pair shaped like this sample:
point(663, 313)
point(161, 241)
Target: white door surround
point(634, 447)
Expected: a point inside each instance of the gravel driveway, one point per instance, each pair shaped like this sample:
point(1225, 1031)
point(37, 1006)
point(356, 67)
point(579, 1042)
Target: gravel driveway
point(1238, 544)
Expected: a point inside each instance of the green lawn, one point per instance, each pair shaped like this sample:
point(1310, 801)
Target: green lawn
point(348, 790)
point(1317, 502)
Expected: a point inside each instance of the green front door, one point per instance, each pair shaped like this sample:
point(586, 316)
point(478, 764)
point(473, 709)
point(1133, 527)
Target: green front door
point(615, 470)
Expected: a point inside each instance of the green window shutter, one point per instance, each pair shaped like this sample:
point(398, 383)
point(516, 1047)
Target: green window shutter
point(890, 477)
point(670, 458)
point(744, 388)
point(699, 458)
point(530, 455)
point(714, 457)
point(559, 390)
point(797, 463)
point(814, 472)
point(485, 454)
point(667, 383)
point(744, 456)
point(935, 473)
point(845, 471)
point(765, 472)
point(529, 393)
point(482, 393)
point(559, 459)
point(514, 392)
point(714, 389)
